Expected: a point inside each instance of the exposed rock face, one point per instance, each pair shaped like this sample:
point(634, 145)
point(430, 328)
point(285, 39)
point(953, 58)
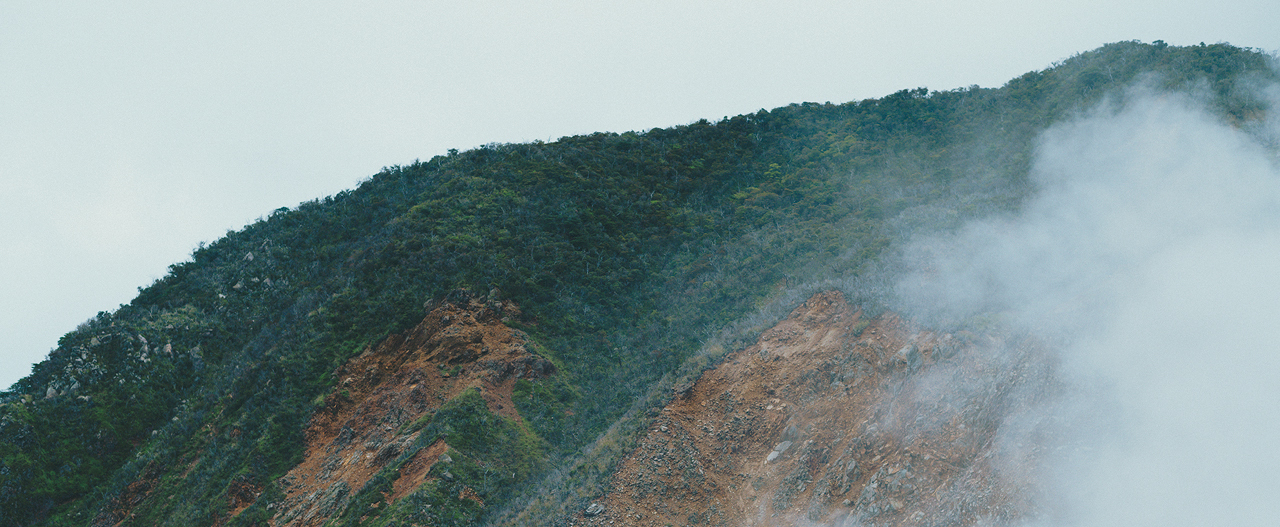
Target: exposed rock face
point(834, 419)
point(360, 429)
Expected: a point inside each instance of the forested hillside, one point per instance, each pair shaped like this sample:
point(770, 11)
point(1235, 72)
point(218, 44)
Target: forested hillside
point(635, 260)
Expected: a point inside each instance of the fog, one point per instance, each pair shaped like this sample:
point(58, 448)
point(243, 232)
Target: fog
point(1147, 258)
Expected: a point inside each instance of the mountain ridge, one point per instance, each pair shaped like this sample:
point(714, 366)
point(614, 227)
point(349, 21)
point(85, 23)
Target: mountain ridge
point(628, 255)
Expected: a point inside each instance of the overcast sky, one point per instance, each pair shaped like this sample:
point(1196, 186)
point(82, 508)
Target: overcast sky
point(130, 131)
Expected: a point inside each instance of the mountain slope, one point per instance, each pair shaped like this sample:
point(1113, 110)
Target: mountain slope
point(833, 417)
point(625, 254)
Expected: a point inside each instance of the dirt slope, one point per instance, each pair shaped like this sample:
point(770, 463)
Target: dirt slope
point(835, 419)
point(458, 346)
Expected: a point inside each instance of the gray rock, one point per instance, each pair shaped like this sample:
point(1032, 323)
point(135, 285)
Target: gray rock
point(593, 510)
point(345, 436)
point(334, 500)
point(778, 451)
point(911, 355)
point(851, 469)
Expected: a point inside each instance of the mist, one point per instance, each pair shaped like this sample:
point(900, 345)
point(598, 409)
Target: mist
point(1147, 259)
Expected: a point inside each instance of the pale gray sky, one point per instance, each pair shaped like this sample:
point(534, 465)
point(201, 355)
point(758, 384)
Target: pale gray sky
point(130, 131)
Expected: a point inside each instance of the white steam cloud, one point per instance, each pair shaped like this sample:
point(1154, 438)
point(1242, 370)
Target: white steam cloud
point(1150, 256)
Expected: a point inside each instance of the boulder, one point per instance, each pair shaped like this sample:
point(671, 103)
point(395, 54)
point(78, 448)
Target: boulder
point(778, 451)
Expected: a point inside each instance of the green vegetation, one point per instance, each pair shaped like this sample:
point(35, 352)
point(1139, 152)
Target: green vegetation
point(547, 404)
point(489, 455)
point(626, 252)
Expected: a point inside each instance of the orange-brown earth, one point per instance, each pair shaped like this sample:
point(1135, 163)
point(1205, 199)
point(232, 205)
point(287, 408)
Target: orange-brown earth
point(834, 418)
point(831, 417)
point(362, 426)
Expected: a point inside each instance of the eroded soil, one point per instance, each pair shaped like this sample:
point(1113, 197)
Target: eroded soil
point(363, 424)
point(832, 418)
